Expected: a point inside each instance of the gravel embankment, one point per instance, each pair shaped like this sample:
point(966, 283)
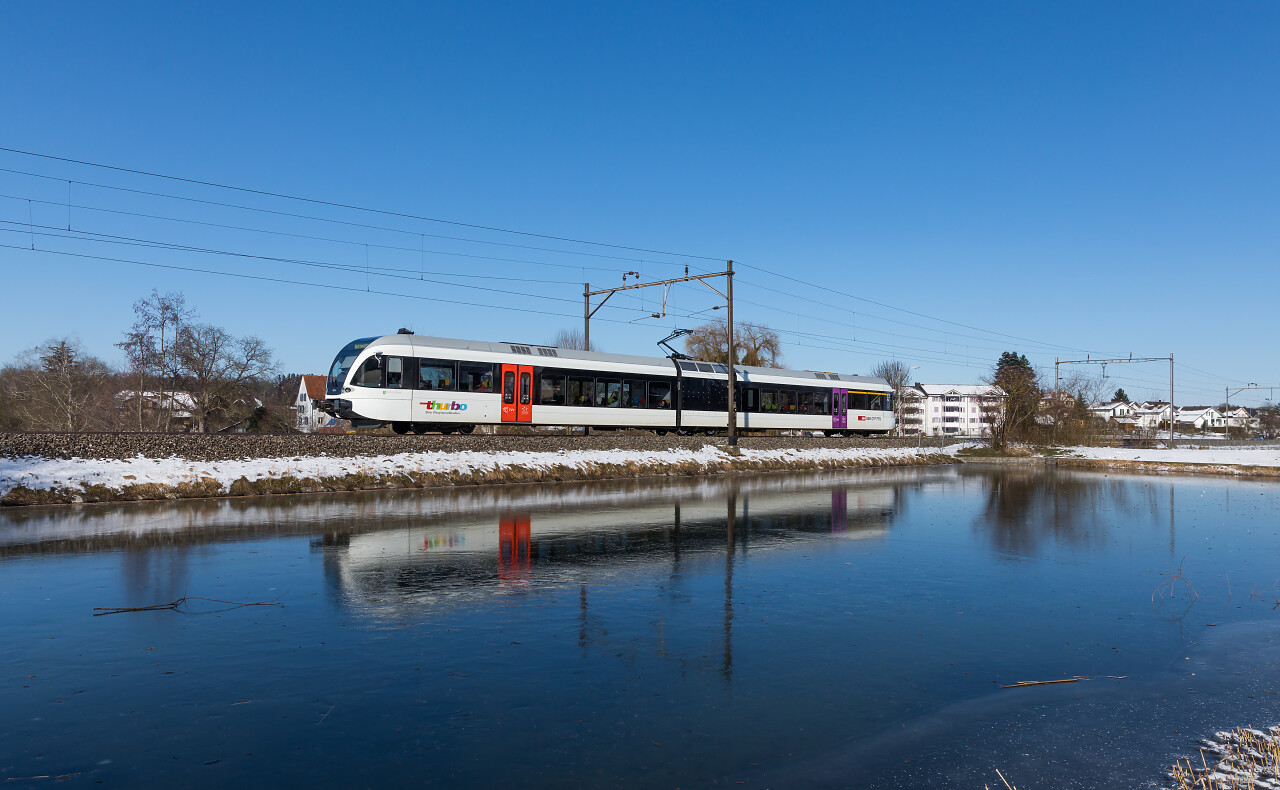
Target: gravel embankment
point(223, 447)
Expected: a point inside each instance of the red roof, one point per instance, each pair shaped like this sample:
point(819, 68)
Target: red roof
point(314, 385)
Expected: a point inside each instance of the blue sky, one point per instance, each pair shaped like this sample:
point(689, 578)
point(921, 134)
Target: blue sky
point(941, 182)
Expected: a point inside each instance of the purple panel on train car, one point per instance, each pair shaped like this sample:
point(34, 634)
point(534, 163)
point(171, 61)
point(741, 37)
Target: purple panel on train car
point(839, 417)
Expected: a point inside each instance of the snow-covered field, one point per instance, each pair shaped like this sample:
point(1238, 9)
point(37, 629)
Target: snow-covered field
point(1261, 456)
point(52, 473)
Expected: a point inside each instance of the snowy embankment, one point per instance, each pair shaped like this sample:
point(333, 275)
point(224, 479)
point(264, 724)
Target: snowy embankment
point(1261, 456)
point(34, 480)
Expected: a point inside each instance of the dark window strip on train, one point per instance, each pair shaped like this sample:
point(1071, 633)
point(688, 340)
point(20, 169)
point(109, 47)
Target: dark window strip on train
point(560, 387)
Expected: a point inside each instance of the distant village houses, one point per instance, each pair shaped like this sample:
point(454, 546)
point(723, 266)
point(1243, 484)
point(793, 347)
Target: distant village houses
point(1151, 416)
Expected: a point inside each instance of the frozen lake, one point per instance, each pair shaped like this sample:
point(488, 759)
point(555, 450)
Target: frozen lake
point(826, 630)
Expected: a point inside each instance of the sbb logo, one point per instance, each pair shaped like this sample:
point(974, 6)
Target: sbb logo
point(439, 405)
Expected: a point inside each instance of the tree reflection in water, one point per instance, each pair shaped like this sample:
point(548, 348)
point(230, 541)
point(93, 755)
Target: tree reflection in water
point(1026, 508)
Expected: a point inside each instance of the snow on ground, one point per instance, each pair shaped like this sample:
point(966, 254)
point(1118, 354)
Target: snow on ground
point(1260, 456)
point(50, 473)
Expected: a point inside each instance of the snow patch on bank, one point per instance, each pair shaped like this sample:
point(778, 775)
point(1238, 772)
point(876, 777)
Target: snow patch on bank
point(1243, 456)
point(54, 473)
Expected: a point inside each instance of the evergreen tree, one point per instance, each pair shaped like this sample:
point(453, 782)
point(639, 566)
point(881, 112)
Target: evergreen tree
point(1017, 379)
point(1120, 396)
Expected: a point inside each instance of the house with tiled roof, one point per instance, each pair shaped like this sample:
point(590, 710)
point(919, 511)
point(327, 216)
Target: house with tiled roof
point(310, 392)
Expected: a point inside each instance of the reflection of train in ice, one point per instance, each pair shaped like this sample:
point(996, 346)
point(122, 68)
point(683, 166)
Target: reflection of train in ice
point(425, 384)
point(473, 556)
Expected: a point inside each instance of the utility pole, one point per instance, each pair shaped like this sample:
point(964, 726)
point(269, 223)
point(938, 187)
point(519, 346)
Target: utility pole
point(586, 316)
point(733, 358)
point(587, 312)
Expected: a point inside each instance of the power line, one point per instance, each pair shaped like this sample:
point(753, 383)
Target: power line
point(299, 262)
point(328, 286)
point(911, 312)
point(401, 230)
point(313, 218)
point(352, 207)
point(311, 237)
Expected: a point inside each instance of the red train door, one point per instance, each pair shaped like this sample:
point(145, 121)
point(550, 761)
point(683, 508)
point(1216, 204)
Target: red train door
point(517, 393)
point(514, 540)
point(524, 394)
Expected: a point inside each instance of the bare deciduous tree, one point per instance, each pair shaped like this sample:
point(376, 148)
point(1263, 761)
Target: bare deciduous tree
point(56, 387)
point(896, 373)
point(217, 367)
point(151, 345)
point(573, 339)
point(756, 344)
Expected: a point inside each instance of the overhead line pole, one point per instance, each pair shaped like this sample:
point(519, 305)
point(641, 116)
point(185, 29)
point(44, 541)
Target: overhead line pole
point(587, 312)
point(1252, 386)
point(1121, 361)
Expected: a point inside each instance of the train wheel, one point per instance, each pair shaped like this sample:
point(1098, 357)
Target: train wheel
point(421, 428)
point(661, 432)
point(711, 432)
point(400, 427)
point(466, 428)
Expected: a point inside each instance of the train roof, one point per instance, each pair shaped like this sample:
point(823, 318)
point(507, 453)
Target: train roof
point(544, 355)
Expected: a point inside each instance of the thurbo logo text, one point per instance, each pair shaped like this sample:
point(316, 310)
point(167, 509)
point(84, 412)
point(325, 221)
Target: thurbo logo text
point(439, 405)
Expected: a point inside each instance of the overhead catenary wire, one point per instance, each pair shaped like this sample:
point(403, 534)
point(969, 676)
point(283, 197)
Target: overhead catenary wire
point(911, 312)
point(401, 230)
point(368, 270)
point(893, 344)
point(332, 240)
point(353, 207)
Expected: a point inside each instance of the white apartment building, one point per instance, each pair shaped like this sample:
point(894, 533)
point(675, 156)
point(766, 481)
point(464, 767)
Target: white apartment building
point(950, 409)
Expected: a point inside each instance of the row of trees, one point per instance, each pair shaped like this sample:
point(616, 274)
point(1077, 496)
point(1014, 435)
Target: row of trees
point(175, 366)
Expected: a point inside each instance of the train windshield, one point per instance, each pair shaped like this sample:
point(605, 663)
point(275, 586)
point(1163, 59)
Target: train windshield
point(342, 364)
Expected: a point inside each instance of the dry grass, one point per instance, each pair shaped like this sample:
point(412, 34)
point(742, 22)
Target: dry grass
point(1242, 758)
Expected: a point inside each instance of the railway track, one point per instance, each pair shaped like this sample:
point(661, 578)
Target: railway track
point(127, 444)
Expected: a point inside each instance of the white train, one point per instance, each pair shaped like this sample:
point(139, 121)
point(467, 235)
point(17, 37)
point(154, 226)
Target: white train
point(421, 384)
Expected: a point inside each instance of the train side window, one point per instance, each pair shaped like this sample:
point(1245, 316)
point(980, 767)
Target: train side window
point(787, 401)
point(874, 401)
point(435, 374)
point(395, 372)
point(552, 389)
point(858, 401)
point(888, 402)
point(822, 402)
point(509, 387)
point(633, 394)
point(751, 399)
point(369, 375)
point(608, 392)
point(768, 400)
point(806, 402)
point(581, 391)
point(659, 395)
point(475, 377)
